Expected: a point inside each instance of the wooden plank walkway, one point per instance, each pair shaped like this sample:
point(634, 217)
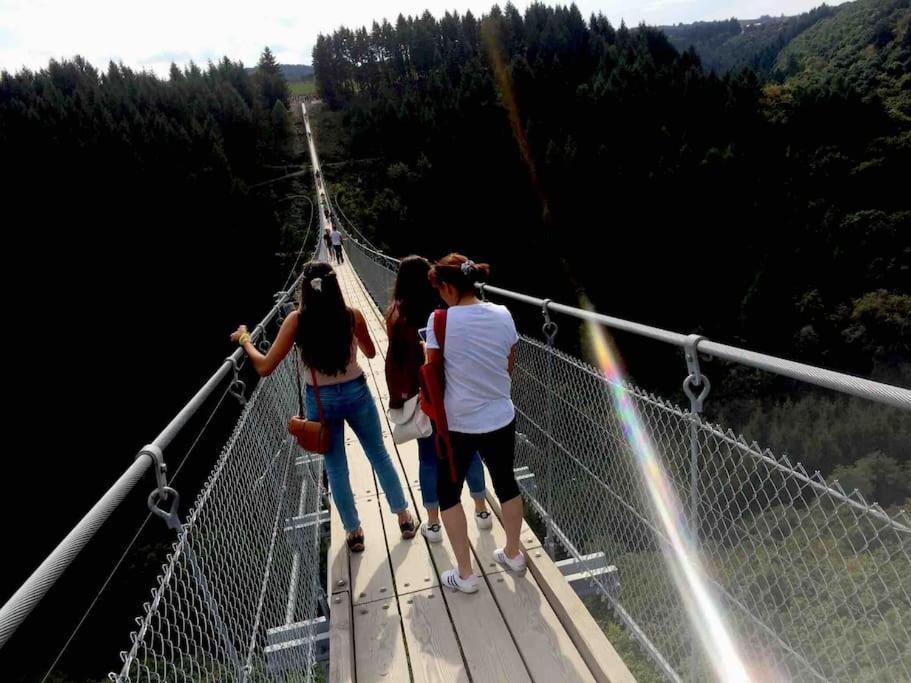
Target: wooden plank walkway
point(391, 620)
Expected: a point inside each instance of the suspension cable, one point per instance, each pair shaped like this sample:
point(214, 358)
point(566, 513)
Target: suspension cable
point(133, 540)
point(303, 245)
point(338, 206)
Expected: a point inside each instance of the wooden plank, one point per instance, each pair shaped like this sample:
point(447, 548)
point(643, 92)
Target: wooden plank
point(363, 481)
point(545, 646)
point(341, 641)
point(407, 468)
point(387, 438)
point(379, 647)
point(360, 471)
point(358, 296)
point(410, 463)
point(444, 558)
point(489, 649)
point(408, 460)
point(590, 640)
point(412, 569)
point(355, 295)
point(337, 560)
point(598, 653)
point(483, 542)
point(432, 646)
point(371, 578)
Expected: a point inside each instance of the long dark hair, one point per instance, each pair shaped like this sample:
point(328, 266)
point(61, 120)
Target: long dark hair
point(414, 296)
point(460, 272)
point(326, 325)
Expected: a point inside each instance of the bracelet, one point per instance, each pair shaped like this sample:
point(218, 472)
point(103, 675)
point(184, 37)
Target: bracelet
point(244, 338)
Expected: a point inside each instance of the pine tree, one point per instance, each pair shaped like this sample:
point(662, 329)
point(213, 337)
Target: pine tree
point(267, 63)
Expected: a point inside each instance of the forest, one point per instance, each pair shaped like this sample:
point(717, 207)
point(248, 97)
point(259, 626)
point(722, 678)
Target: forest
point(747, 182)
point(136, 238)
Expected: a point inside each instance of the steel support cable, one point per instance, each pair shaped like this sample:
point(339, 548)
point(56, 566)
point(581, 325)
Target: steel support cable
point(133, 540)
point(338, 206)
point(846, 384)
point(303, 244)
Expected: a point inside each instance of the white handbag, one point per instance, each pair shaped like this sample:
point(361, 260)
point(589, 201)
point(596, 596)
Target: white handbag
point(409, 422)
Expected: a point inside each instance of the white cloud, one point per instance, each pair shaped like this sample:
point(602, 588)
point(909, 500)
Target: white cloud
point(149, 34)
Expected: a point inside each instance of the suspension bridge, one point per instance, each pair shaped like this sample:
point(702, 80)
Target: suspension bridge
point(812, 581)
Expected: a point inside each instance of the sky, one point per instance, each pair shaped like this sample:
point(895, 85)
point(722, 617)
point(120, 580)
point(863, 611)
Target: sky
point(153, 33)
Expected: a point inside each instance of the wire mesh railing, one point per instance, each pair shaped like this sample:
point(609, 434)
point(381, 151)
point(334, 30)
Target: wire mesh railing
point(239, 596)
point(815, 582)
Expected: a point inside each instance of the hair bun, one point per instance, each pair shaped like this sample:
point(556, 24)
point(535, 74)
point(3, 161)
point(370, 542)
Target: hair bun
point(479, 272)
point(458, 271)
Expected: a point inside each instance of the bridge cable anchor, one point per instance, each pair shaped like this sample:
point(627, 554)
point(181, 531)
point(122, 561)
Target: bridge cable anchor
point(550, 328)
point(238, 386)
point(263, 344)
point(162, 491)
point(695, 378)
point(278, 297)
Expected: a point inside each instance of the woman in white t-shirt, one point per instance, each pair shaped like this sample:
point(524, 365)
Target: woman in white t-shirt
point(478, 351)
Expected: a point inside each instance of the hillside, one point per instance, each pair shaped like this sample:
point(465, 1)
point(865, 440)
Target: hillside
point(866, 46)
point(296, 72)
point(292, 72)
point(734, 43)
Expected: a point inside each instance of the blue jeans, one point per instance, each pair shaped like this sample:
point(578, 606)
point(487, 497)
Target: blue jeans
point(352, 402)
point(427, 473)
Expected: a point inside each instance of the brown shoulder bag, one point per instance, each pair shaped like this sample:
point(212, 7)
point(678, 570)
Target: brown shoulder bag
point(311, 435)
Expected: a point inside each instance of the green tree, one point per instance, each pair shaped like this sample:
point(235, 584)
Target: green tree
point(270, 83)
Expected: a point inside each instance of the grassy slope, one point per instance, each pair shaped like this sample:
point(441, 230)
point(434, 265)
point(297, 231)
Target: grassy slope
point(304, 87)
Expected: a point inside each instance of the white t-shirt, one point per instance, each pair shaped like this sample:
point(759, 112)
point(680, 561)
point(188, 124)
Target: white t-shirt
point(336, 238)
point(479, 338)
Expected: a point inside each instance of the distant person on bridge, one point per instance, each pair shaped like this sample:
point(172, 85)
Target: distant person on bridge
point(471, 347)
point(414, 299)
point(328, 335)
point(336, 236)
point(327, 236)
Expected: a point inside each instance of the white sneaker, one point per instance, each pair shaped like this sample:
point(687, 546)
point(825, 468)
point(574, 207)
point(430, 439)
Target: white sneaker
point(432, 532)
point(451, 579)
point(484, 520)
point(517, 563)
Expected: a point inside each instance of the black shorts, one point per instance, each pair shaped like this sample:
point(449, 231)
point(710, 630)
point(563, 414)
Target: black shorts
point(497, 450)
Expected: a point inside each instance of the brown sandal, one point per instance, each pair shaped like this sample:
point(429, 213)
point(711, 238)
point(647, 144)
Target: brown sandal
point(408, 528)
point(356, 543)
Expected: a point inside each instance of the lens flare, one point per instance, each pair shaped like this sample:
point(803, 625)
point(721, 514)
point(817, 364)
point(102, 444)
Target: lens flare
point(680, 553)
point(492, 39)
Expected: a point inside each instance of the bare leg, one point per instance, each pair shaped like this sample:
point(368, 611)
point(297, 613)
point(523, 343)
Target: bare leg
point(457, 531)
point(512, 522)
